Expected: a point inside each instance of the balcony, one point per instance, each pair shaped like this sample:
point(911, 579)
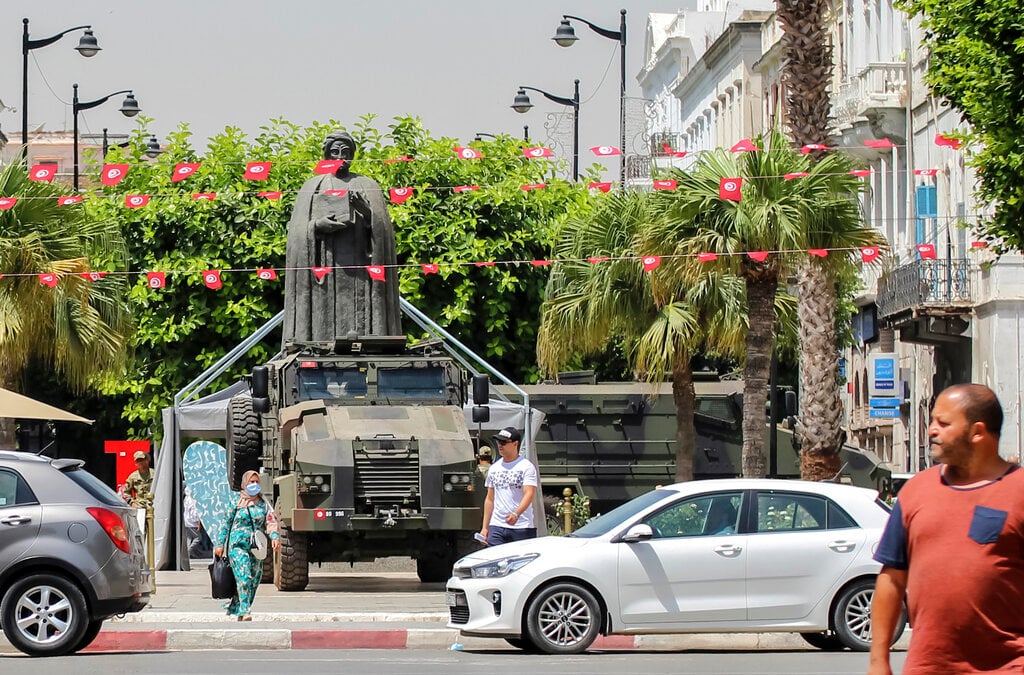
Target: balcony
point(877, 89)
point(926, 288)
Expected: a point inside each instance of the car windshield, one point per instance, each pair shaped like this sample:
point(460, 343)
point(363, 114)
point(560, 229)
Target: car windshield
point(94, 486)
point(331, 383)
point(410, 382)
point(604, 524)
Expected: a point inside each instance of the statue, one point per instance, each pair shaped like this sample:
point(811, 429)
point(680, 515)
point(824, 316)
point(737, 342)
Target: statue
point(340, 220)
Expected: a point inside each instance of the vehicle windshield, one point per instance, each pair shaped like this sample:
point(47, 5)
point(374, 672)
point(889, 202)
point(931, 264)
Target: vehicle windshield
point(617, 516)
point(331, 383)
point(94, 486)
point(410, 382)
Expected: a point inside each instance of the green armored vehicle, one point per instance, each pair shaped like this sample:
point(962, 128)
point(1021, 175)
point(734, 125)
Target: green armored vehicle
point(612, 441)
point(366, 451)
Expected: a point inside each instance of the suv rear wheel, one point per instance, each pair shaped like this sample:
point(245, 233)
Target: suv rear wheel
point(44, 615)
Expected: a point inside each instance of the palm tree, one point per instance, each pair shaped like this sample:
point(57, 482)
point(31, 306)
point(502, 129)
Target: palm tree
point(661, 320)
point(80, 325)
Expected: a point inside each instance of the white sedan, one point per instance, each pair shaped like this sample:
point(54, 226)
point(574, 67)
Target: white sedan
point(716, 556)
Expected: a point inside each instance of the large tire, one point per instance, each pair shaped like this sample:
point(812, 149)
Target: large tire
point(44, 615)
point(89, 635)
point(243, 440)
point(851, 616)
point(291, 563)
point(524, 643)
point(564, 618)
point(433, 569)
point(826, 642)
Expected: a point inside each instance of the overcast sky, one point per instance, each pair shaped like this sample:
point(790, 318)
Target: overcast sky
point(454, 63)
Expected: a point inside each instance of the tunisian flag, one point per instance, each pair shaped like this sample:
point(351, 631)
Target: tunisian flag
point(730, 189)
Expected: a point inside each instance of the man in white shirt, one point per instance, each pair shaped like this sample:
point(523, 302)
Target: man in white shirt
point(511, 485)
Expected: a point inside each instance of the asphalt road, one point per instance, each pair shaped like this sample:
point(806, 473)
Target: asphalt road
point(414, 662)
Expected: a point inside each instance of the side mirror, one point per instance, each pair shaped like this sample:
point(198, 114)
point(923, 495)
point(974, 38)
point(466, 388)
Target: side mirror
point(260, 382)
point(481, 390)
point(481, 413)
point(639, 532)
point(261, 405)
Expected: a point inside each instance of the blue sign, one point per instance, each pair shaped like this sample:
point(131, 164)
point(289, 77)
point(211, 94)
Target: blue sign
point(885, 413)
point(883, 374)
point(885, 369)
point(884, 402)
point(885, 384)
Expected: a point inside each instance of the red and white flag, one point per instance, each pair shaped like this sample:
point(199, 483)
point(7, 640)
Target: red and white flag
point(706, 257)
point(429, 268)
point(266, 273)
point(796, 174)
point(257, 170)
point(484, 263)
point(376, 272)
point(650, 262)
point(400, 194)
point(540, 263)
point(211, 278)
point(757, 256)
point(204, 196)
point(136, 201)
point(926, 172)
point(156, 279)
point(979, 244)
point(667, 149)
point(537, 151)
point(403, 158)
point(42, 173)
point(92, 276)
point(321, 272)
point(48, 279)
point(945, 141)
point(270, 194)
point(335, 193)
point(744, 145)
point(593, 260)
point(7, 202)
point(860, 173)
point(467, 153)
point(534, 186)
point(605, 150)
point(665, 184)
point(730, 189)
point(183, 170)
point(69, 199)
point(602, 186)
point(325, 166)
point(868, 254)
point(926, 251)
point(811, 147)
point(818, 252)
point(880, 143)
point(113, 174)
point(466, 188)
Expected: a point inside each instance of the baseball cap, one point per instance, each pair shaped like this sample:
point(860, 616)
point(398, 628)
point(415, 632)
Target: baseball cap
point(486, 453)
point(507, 435)
point(139, 454)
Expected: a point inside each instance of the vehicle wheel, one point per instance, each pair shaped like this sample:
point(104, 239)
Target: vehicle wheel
point(44, 615)
point(523, 643)
point(851, 616)
point(827, 642)
point(291, 563)
point(243, 440)
point(563, 618)
point(432, 569)
point(268, 568)
point(91, 631)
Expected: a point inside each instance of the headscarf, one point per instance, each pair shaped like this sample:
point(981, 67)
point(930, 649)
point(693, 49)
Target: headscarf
point(245, 501)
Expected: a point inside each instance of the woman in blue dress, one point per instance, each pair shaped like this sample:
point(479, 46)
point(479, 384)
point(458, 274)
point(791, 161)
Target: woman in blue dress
point(252, 513)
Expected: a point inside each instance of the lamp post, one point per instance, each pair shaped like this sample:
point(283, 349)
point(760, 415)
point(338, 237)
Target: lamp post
point(129, 108)
point(526, 134)
point(87, 46)
point(565, 36)
point(522, 104)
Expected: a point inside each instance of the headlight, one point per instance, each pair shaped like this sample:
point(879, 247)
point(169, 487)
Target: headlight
point(503, 567)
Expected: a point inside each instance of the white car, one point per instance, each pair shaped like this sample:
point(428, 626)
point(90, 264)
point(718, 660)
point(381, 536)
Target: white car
point(716, 556)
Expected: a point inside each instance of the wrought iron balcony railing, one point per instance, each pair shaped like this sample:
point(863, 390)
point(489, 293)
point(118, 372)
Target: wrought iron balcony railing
point(941, 285)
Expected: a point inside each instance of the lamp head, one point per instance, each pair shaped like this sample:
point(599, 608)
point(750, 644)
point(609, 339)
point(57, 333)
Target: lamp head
point(153, 148)
point(130, 107)
point(521, 103)
point(565, 36)
point(87, 45)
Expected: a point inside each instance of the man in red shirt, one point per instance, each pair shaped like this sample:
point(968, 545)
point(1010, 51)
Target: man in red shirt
point(954, 547)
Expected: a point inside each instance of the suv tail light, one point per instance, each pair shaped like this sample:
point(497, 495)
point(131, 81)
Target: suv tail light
point(112, 525)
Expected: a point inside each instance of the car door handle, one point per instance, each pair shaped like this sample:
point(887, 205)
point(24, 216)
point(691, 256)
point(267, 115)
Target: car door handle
point(728, 550)
point(842, 546)
point(15, 520)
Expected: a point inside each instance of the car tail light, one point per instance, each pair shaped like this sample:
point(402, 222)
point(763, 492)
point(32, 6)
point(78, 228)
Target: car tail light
point(112, 525)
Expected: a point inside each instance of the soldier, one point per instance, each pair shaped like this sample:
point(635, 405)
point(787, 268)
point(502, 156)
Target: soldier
point(139, 486)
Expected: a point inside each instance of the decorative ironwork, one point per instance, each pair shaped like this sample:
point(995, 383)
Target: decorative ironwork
point(938, 284)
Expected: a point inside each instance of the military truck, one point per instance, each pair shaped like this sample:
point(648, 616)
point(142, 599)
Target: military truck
point(365, 453)
point(612, 441)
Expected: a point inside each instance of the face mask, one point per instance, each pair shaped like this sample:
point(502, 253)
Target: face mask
point(252, 489)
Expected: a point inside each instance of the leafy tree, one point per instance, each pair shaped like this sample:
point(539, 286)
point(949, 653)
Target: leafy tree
point(185, 327)
point(976, 63)
point(79, 327)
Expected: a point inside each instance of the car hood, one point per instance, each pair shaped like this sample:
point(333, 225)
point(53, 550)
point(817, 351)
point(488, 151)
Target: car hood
point(541, 545)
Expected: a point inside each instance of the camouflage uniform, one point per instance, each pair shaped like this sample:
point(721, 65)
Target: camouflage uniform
point(137, 489)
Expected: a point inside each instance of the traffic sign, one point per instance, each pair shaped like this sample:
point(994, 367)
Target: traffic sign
point(884, 413)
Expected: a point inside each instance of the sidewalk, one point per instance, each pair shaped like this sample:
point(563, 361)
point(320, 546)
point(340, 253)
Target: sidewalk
point(343, 610)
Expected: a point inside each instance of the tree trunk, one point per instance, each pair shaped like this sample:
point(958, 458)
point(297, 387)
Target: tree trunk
point(760, 345)
point(684, 397)
point(821, 410)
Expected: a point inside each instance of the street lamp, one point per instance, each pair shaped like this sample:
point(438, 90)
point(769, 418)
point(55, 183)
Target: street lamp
point(153, 149)
point(129, 108)
point(87, 46)
point(565, 36)
point(522, 104)
point(526, 134)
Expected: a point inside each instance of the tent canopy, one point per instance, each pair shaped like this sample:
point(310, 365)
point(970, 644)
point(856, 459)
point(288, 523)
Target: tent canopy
point(16, 406)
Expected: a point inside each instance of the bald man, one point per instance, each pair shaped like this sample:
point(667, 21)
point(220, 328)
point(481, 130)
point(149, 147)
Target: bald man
point(954, 547)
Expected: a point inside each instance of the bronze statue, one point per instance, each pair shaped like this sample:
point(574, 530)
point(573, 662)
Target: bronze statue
point(340, 220)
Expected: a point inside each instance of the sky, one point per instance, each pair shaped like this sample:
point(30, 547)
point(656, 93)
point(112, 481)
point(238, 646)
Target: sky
point(456, 64)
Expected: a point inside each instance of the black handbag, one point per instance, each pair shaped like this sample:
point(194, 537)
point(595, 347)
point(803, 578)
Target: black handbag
point(222, 579)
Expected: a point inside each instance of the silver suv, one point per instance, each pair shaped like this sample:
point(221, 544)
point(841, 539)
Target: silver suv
point(71, 555)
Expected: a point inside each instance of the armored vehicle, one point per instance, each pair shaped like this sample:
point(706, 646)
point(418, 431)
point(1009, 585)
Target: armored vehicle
point(365, 453)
